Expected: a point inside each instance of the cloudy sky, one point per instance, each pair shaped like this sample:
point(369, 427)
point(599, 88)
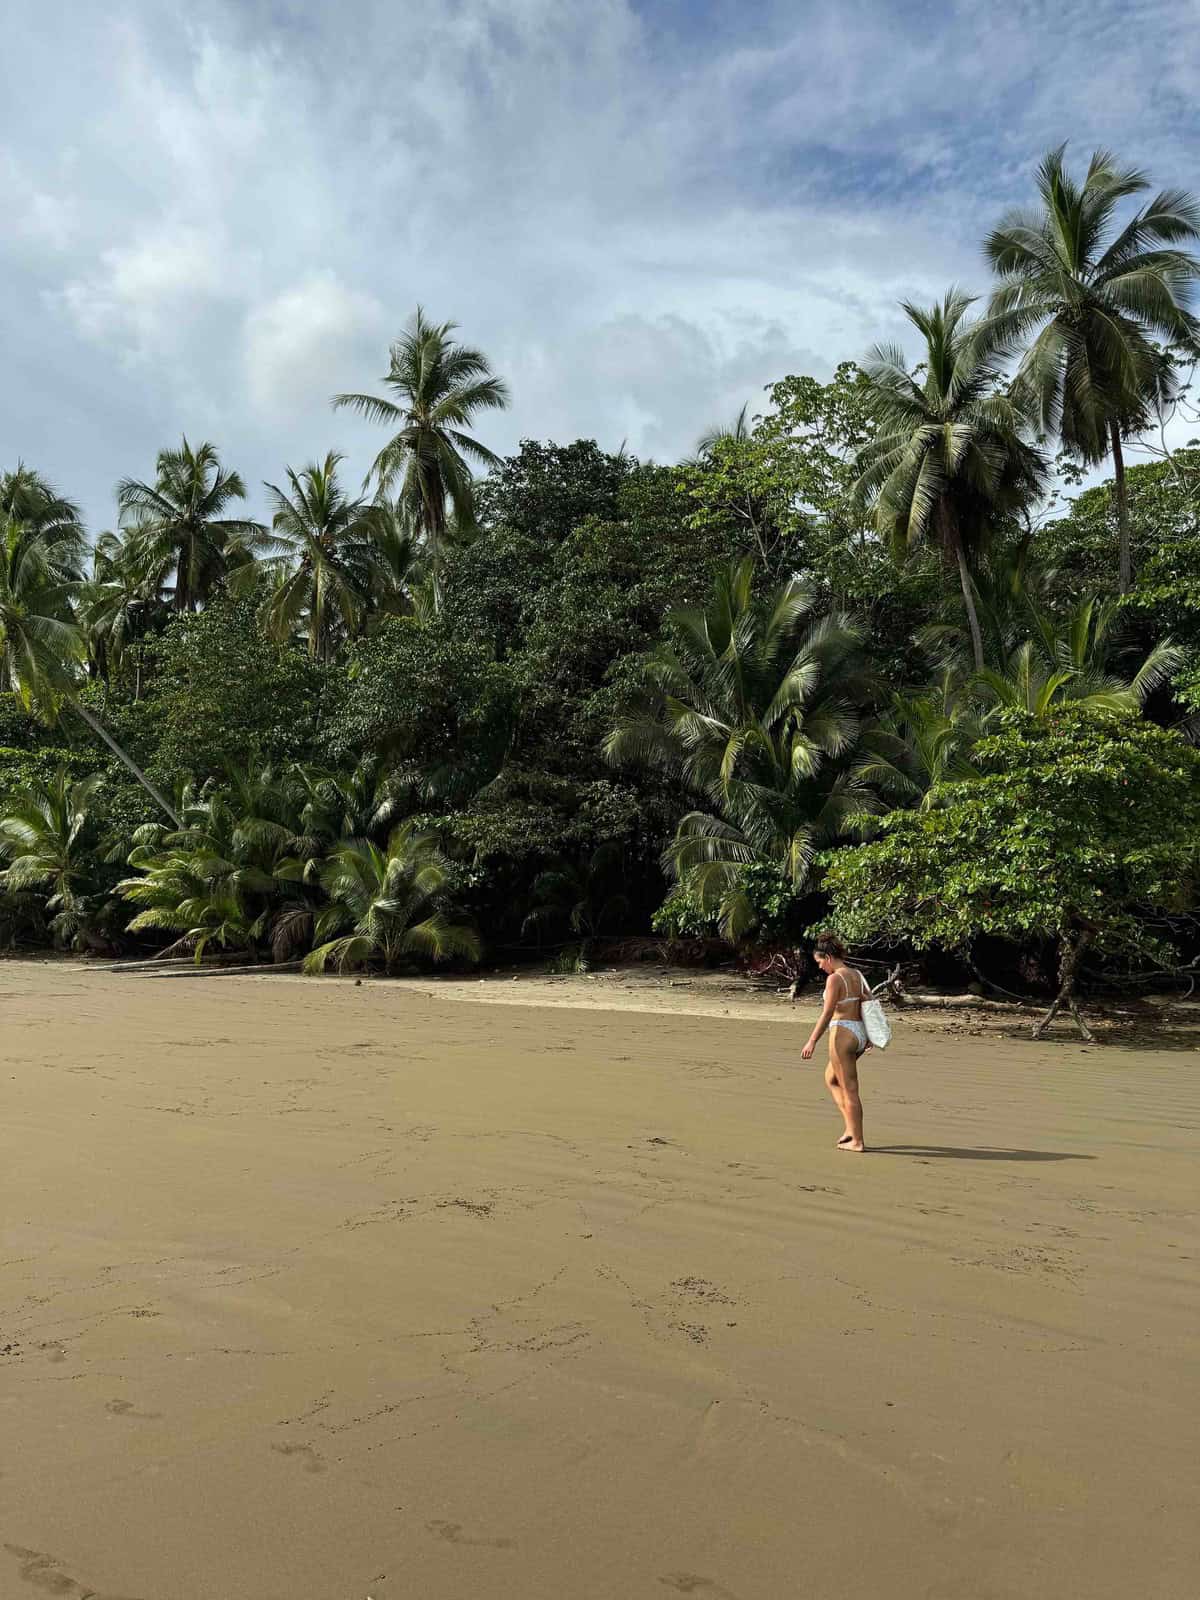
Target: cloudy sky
point(218, 213)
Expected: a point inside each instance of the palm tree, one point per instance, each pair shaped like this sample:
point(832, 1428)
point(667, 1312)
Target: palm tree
point(1090, 307)
point(327, 563)
point(948, 458)
point(439, 387)
point(920, 743)
point(229, 871)
point(1079, 660)
point(27, 498)
point(41, 644)
point(43, 836)
point(117, 608)
point(754, 709)
point(179, 524)
point(390, 901)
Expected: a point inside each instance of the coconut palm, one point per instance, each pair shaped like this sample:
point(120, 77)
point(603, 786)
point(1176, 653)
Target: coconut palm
point(41, 646)
point(27, 498)
point(1079, 659)
point(179, 524)
point(753, 707)
point(439, 389)
point(386, 903)
point(948, 459)
point(1089, 306)
point(921, 742)
point(118, 608)
point(229, 871)
point(47, 842)
point(325, 561)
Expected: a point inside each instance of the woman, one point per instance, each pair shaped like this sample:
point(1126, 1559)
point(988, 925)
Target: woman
point(845, 990)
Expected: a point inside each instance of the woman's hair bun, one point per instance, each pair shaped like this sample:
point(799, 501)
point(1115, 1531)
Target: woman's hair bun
point(828, 944)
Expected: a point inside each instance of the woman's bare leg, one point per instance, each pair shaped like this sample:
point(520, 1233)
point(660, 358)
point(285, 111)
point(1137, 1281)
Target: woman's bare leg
point(835, 1089)
point(843, 1062)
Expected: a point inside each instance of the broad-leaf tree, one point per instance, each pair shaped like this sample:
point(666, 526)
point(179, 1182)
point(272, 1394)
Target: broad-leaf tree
point(1079, 829)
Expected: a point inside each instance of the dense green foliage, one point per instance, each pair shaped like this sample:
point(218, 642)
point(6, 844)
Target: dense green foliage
point(842, 661)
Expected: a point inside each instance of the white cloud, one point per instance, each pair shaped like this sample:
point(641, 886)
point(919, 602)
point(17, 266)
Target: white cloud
point(223, 210)
point(298, 344)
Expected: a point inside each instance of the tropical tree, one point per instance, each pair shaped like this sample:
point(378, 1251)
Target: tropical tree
point(1090, 307)
point(118, 607)
point(180, 525)
point(439, 387)
point(41, 645)
point(387, 903)
point(920, 742)
point(48, 842)
point(230, 872)
point(325, 563)
point(1081, 659)
point(28, 499)
point(948, 459)
point(753, 707)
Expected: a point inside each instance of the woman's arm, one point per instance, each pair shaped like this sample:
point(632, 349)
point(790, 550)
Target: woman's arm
point(831, 1000)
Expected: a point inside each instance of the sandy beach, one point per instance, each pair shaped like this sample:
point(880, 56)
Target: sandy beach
point(311, 1291)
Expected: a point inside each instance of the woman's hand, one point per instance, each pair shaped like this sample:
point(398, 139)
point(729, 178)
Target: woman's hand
point(806, 1053)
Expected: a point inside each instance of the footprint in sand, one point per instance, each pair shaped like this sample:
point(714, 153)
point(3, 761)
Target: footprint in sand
point(690, 1583)
point(124, 1408)
point(453, 1534)
point(313, 1461)
point(46, 1573)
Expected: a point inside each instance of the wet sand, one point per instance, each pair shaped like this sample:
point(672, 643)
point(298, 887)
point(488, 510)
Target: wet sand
point(311, 1291)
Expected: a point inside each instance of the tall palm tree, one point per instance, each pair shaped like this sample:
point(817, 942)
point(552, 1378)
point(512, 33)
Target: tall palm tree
point(27, 498)
point(753, 708)
point(326, 563)
point(118, 607)
point(387, 903)
point(439, 389)
point(948, 459)
point(180, 525)
point(1090, 307)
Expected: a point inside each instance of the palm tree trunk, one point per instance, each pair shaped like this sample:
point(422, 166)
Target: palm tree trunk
point(102, 732)
point(1124, 564)
point(968, 594)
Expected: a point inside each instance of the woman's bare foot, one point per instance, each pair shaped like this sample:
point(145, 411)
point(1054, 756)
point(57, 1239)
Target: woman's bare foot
point(856, 1148)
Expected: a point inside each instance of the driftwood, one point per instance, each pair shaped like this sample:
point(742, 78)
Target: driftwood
point(260, 968)
point(952, 1002)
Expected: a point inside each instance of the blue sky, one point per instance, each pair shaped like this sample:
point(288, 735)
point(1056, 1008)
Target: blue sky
point(219, 213)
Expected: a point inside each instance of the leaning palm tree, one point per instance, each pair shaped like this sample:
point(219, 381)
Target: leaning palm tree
point(948, 459)
point(326, 561)
point(26, 497)
point(1090, 306)
point(439, 388)
point(42, 648)
point(753, 708)
point(387, 904)
point(180, 522)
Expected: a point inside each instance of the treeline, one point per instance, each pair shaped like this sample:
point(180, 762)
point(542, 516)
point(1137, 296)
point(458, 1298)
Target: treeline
point(858, 659)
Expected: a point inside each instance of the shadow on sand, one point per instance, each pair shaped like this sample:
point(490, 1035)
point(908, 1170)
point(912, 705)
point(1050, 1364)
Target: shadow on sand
point(984, 1153)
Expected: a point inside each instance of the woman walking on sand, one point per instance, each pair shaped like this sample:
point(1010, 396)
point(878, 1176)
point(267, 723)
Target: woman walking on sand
point(845, 991)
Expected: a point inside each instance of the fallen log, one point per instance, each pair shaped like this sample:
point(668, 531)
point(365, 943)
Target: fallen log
point(261, 969)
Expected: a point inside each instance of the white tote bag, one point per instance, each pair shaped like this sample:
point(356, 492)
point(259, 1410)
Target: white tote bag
point(875, 1021)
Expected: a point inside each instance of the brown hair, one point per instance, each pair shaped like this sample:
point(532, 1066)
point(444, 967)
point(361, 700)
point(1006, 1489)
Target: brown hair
point(828, 944)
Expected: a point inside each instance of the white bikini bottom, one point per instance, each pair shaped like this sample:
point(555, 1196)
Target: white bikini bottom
point(856, 1028)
